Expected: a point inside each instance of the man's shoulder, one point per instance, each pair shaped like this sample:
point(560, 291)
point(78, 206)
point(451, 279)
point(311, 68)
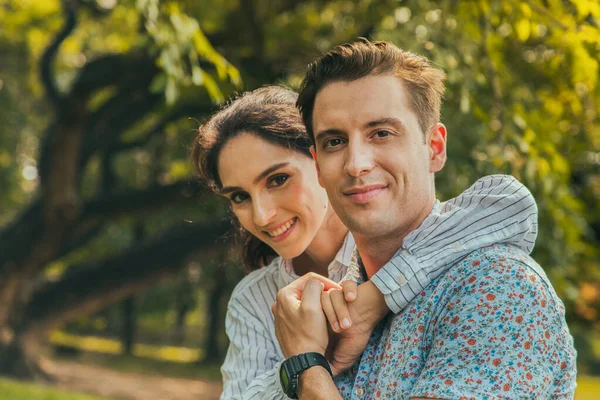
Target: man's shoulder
point(263, 279)
point(501, 270)
point(501, 258)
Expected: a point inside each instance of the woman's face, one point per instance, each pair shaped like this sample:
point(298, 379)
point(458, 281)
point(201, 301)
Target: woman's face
point(274, 192)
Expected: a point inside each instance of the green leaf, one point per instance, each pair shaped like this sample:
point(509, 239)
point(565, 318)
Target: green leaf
point(523, 28)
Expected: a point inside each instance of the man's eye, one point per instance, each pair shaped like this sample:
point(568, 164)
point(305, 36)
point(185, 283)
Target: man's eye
point(333, 142)
point(278, 180)
point(238, 198)
point(382, 134)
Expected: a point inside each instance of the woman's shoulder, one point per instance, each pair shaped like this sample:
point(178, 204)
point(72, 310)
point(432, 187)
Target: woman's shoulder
point(263, 280)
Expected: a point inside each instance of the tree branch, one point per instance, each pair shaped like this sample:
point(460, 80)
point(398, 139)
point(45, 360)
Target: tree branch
point(49, 56)
point(90, 287)
point(158, 129)
point(108, 123)
point(115, 69)
point(115, 205)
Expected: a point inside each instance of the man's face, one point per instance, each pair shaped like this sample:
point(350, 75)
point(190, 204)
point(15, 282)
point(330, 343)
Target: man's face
point(373, 159)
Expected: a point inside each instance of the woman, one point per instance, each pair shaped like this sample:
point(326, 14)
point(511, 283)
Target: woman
point(255, 152)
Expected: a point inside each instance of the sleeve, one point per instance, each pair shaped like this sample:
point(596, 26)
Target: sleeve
point(501, 335)
point(495, 209)
point(251, 367)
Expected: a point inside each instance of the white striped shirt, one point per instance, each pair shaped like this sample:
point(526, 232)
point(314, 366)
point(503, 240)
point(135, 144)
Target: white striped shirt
point(496, 209)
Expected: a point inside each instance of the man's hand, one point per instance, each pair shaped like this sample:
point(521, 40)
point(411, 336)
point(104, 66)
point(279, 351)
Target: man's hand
point(335, 305)
point(364, 313)
point(300, 325)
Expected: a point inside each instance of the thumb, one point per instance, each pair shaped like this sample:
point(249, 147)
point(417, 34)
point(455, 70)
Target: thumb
point(311, 295)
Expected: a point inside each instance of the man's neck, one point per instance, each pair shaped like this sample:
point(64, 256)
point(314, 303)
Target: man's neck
point(376, 251)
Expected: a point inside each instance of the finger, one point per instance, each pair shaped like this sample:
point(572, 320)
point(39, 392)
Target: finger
point(350, 290)
point(329, 311)
point(274, 307)
point(311, 295)
point(341, 308)
point(299, 283)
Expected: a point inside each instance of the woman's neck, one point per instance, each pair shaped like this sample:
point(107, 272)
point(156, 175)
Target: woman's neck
point(323, 248)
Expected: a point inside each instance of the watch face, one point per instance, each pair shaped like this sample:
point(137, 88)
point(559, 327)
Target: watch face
point(285, 381)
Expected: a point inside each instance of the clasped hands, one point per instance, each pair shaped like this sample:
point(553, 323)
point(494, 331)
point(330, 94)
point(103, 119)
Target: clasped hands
point(316, 314)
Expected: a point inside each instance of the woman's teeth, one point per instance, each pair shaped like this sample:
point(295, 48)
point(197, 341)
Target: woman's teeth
point(282, 229)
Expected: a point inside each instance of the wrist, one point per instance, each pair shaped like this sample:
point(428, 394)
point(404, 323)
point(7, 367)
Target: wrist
point(292, 369)
point(311, 380)
point(370, 303)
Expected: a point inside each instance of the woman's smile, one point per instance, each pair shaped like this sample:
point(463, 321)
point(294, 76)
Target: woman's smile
point(283, 231)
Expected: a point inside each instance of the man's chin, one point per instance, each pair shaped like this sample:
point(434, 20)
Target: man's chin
point(367, 226)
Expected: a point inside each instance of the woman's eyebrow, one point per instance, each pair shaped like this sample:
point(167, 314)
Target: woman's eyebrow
point(262, 175)
point(267, 171)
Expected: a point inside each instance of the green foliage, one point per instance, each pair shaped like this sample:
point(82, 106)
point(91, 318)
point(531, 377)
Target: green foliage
point(17, 390)
point(522, 98)
point(181, 45)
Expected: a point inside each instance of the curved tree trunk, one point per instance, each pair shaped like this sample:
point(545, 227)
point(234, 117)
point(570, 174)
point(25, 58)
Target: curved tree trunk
point(89, 288)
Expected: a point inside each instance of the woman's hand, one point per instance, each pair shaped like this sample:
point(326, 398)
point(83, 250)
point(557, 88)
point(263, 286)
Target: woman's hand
point(300, 325)
point(366, 308)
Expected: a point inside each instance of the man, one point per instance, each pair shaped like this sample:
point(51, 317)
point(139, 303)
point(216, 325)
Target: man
point(490, 327)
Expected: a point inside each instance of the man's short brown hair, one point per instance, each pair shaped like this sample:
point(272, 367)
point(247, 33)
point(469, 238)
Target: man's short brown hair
point(352, 61)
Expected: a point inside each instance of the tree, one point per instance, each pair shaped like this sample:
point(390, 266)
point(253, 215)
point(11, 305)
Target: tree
point(98, 89)
point(114, 82)
point(108, 96)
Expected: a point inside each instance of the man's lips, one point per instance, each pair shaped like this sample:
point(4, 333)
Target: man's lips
point(364, 194)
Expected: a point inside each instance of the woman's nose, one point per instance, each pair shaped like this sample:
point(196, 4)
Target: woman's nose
point(263, 211)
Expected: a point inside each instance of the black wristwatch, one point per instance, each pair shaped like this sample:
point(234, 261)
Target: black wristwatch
point(293, 366)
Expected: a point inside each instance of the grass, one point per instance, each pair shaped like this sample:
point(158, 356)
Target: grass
point(14, 390)
point(147, 366)
point(113, 346)
point(588, 388)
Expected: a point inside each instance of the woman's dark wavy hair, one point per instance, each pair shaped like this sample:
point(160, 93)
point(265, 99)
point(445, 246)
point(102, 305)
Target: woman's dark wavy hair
point(270, 113)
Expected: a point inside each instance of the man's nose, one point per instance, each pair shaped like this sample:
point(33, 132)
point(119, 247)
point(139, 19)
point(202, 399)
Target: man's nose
point(263, 210)
point(359, 160)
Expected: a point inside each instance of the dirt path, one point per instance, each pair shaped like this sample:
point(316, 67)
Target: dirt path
point(125, 385)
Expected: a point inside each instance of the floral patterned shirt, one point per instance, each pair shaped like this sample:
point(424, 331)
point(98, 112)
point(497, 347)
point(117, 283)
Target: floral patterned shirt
point(491, 327)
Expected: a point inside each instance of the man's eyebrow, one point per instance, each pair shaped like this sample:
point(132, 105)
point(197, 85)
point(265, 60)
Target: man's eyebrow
point(262, 175)
point(327, 132)
point(371, 124)
point(386, 121)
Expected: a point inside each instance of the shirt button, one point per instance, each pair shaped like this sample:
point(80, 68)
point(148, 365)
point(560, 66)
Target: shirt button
point(360, 392)
point(401, 280)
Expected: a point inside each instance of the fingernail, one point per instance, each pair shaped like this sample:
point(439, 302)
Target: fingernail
point(351, 296)
point(336, 326)
point(345, 323)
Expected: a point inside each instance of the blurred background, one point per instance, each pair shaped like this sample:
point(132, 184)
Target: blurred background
point(115, 265)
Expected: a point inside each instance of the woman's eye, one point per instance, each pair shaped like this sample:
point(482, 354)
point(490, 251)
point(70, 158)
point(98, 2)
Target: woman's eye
point(278, 180)
point(238, 198)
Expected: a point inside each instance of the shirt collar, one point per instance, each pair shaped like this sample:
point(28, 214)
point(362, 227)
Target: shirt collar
point(338, 265)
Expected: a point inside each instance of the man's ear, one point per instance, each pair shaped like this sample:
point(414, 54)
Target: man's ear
point(314, 154)
point(437, 147)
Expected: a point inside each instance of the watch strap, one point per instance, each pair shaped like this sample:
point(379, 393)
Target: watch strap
point(297, 364)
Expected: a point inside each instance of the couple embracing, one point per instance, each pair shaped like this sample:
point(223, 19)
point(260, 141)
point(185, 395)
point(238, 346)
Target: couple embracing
point(363, 284)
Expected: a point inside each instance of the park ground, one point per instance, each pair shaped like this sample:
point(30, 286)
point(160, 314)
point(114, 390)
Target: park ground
point(117, 380)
